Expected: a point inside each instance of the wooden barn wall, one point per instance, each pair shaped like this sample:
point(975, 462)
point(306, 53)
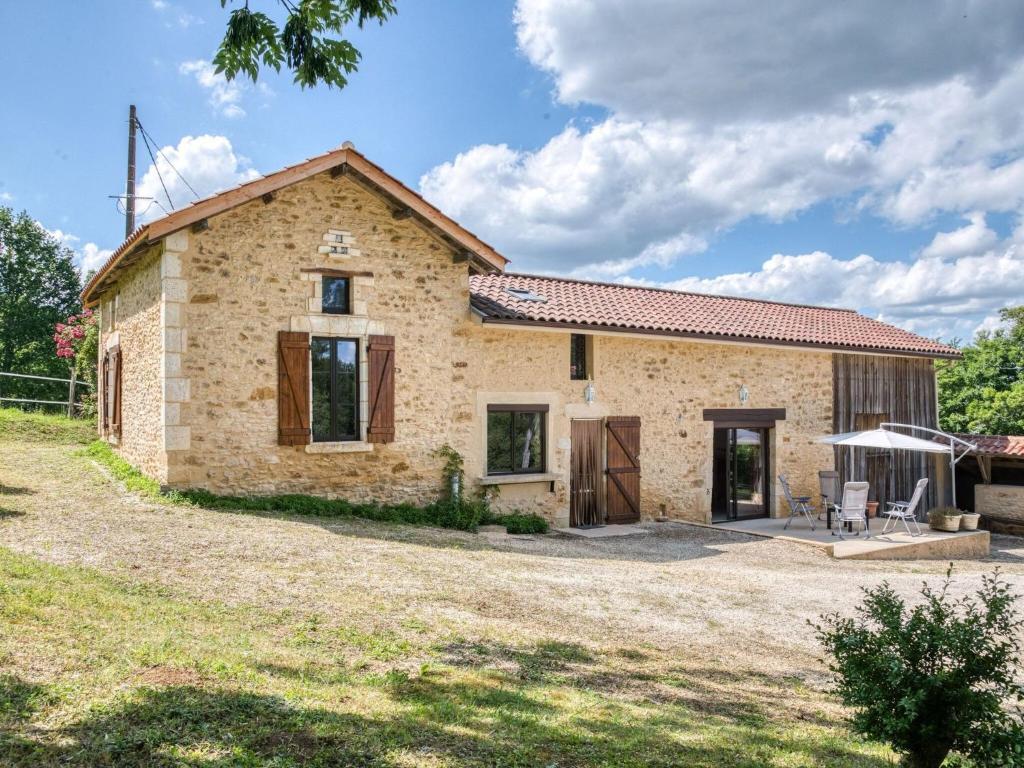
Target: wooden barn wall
point(869, 389)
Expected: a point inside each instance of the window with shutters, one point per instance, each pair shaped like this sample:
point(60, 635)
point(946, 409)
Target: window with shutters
point(334, 372)
point(516, 439)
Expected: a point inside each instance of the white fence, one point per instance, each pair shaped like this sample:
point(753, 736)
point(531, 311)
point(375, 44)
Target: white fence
point(69, 404)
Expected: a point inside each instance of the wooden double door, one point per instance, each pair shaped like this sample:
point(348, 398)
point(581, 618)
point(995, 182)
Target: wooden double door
point(605, 450)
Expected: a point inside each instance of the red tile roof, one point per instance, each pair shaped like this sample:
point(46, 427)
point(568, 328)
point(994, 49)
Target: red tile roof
point(997, 445)
point(578, 303)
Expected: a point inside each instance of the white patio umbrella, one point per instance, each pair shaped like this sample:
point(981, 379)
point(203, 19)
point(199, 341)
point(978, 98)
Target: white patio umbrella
point(886, 438)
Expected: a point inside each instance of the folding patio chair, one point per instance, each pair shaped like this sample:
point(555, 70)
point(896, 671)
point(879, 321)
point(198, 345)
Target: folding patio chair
point(906, 510)
point(828, 486)
point(798, 505)
point(854, 508)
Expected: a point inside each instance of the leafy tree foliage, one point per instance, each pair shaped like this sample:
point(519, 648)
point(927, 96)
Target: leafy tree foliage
point(309, 43)
point(984, 392)
point(39, 286)
point(934, 678)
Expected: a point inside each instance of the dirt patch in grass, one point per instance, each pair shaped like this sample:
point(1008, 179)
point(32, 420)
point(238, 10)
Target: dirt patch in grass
point(163, 676)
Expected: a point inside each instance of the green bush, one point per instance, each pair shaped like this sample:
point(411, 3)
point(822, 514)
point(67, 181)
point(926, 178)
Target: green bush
point(936, 678)
point(517, 522)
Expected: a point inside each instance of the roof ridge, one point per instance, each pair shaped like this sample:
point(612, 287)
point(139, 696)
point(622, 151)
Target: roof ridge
point(673, 291)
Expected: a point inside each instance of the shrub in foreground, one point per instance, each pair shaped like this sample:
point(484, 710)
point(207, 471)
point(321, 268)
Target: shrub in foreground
point(935, 678)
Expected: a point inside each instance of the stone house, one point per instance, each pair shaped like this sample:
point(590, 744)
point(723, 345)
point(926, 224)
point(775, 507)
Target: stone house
point(324, 330)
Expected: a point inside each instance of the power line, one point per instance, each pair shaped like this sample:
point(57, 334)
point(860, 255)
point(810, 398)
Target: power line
point(159, 175)
point(146, 135)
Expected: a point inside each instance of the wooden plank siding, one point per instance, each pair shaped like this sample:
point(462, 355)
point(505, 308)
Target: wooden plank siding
point(868, 390)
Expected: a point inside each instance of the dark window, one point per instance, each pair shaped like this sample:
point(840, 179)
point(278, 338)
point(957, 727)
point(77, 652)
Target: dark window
point(335, 374)
point(578, 357)
point(336, 296)
point(515, 439)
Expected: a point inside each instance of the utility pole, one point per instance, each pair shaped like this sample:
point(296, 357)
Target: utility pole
point(129, 202)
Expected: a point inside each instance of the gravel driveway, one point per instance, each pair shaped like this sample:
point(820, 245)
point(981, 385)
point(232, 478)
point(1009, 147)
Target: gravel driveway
point(705, 593)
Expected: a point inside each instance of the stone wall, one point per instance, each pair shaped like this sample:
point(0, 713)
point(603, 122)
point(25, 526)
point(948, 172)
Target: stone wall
point(1003, 502)
point(668, 384)
point(245, 283)
point(230, 288)
point(135, 326)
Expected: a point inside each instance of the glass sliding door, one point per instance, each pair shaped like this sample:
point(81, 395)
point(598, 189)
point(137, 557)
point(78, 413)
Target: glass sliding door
point(740, 474)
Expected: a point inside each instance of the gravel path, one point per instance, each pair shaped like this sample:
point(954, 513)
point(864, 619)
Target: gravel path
point(705, 593)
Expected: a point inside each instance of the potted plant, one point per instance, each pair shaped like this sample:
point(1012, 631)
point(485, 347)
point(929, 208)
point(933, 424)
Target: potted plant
point(969, 521)
point(944, 519)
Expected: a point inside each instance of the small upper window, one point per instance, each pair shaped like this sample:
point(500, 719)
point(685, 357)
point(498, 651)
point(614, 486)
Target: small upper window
point(336, 295)
point(578, 357)
point(524, 294)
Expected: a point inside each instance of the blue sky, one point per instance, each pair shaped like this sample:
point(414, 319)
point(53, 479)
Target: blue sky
point(839, 155)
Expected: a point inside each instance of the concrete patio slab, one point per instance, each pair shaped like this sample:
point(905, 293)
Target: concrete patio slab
point(604, 532)
point(930, 545)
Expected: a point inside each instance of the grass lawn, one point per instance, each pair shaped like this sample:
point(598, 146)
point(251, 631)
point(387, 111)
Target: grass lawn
point(136, 633)
point(105, 671)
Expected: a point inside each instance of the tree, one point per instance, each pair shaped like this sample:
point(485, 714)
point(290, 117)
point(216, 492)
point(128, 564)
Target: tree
point(39, 286)
point(935, 678)
point(253, 40)
point(984, 392)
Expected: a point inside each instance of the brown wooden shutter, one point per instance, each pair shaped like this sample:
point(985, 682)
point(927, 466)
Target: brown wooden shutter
point(623, 462)
point(115, 411)
point(293, 388)
point(381, 425)
point(105, 391)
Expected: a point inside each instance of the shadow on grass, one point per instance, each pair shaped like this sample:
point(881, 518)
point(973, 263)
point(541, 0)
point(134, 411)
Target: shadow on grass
point(437, 720)
point(489, 704)
point(15, 490)
point(6, 513)
point(672, 545)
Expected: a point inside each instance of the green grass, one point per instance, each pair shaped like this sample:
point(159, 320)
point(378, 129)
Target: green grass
point(36, 426)
point(98, 670)
point(442, 514)
point(127, 474)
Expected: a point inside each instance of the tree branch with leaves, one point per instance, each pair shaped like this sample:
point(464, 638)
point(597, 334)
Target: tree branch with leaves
point(310, 43)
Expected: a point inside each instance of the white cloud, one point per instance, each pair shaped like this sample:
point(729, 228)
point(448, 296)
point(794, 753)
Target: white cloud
point(175, 15)
point(6, 197)
point(87, 257)
point(932, 295)
point(976, 237)
point(704, 60)
point(209, 163)
point(225, 95)
point(717, 115)
point(91, 257)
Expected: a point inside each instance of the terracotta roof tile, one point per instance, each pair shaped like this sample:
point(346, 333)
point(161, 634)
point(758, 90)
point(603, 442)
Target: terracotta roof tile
point(653, 310)
point(996, 445)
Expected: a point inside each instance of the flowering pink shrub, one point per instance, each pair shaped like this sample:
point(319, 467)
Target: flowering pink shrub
point(71, 336)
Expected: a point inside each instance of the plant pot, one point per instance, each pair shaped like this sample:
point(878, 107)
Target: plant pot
point(872, 509)
point(969, 521)
point(949, 523)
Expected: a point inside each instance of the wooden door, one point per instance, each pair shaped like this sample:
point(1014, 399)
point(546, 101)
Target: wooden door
point(585, 503)
point(622, 458)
